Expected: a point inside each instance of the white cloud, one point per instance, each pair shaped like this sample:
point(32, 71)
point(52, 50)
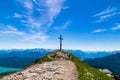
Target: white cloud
point(31, 22)
point(28, 19)
point(35, 1)
point(106, 14)
point(27, 4)
point(50, 10)
point(63, 27)
point(16, 15)
point(40, 10)
point(11, 32)
point(107, 11)
point(11, 28)
point(66, 7)
point(99, 30)
point(110, 29)
point(36, 36)
point(116, 27)
point(46, 10)
point(54, 8)
point(8, 30)
point(105, 17)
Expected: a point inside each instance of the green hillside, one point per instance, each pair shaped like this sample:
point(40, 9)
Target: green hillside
point(107, 62)
point(85, 72)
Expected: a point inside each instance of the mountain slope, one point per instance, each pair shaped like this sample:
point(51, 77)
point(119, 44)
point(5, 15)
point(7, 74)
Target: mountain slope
point(84, 55)
point(111, 62)
point(58, 65)
point(86, 72)
point(20, 58)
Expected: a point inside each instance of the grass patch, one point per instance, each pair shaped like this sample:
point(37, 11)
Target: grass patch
point(39, 61)
point(86, 72)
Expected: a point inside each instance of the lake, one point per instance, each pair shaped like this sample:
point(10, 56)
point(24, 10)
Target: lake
point(4, 69)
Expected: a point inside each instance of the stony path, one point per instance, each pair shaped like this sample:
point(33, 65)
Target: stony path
point(56, 70)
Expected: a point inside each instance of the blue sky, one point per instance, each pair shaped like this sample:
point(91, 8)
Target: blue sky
point(90, 25)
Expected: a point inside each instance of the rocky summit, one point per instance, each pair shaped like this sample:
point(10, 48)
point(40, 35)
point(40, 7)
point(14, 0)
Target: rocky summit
point(60, 69)
point(56, 70)
point(58, 65)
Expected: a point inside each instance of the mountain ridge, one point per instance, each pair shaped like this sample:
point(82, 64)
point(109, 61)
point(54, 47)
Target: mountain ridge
point(111, 62)
point(85, 72)
point(27, 56)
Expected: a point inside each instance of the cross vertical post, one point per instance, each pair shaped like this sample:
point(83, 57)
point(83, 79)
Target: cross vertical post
point(60, 42)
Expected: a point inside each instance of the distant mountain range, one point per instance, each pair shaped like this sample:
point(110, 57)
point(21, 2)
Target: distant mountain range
point(85, 55)
point(19, 58)
point(111, 62)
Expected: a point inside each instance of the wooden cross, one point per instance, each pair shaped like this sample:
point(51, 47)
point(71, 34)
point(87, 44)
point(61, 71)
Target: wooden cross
point(60, 42)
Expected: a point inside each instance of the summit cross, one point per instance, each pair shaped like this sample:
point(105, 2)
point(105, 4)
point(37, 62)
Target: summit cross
point(60, 42)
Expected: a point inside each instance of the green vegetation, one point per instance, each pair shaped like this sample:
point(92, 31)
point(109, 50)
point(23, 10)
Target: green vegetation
point(86, 72)
point(107, 62)
point(47, 58)
point(39, 61)
point(44, 59)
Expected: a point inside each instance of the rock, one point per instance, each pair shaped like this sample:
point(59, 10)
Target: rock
point(56, 70)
